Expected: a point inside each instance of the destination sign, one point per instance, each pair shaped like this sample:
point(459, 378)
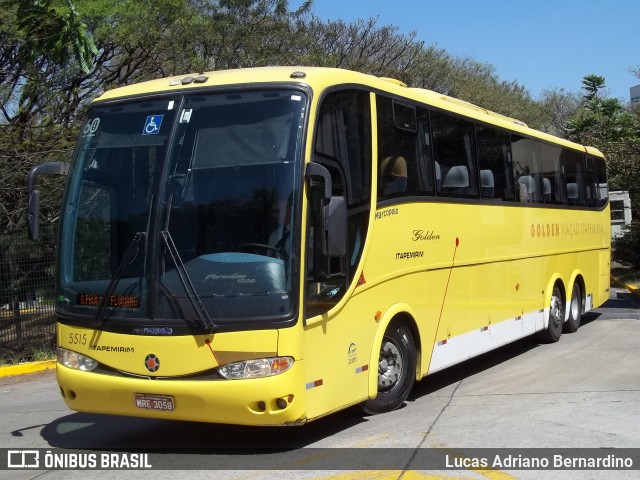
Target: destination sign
point(126, 301)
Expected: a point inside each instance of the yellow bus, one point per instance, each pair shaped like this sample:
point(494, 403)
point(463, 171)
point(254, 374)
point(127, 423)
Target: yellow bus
point(267, 246)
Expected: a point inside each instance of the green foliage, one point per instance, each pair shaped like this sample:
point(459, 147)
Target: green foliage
point(46, 56)
point(626, 249)
point(49, 32)
point(592, 84)
point(601, 121)
point(614, 129)
point(558, 106)
point(478, 83)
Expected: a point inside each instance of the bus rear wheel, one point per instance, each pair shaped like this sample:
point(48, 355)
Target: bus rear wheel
point(396, 370)
point(556, 317)
point(575, 310)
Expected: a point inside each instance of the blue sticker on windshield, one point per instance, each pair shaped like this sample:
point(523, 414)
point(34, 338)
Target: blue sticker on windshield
point(152, 125)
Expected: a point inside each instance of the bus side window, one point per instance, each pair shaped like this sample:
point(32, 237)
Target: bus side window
point(551, 166)
point(575, 176)
point(601, 180)
point(455, 155)
point(527, 169)
point(591, 188)
point(494, 162)
point(399, 172)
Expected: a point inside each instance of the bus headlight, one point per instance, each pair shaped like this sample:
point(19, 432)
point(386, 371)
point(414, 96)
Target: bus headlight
point(75, 360)
point(263, 367)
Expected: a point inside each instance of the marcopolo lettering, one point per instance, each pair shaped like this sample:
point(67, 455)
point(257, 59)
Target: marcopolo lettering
point(386, 213)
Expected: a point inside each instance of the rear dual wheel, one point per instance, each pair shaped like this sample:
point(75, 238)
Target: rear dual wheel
point(575, 310)
point(556, 317)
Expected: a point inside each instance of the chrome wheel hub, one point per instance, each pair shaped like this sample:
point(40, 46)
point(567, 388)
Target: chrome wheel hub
point(389, 366)
point(555, 314)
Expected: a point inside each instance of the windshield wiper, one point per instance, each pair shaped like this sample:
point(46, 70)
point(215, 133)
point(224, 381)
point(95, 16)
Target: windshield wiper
point(128, 257)
point(183, 275)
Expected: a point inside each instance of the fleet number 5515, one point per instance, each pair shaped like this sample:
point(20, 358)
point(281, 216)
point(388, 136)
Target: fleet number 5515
point(78, 338)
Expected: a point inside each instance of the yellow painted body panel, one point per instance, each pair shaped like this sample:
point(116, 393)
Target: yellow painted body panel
point(339, 346)
point(221, 401)
point(505, 265)
point(179, 355)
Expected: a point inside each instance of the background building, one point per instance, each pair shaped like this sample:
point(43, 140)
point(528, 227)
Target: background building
point(635, 94)
point(620, 204)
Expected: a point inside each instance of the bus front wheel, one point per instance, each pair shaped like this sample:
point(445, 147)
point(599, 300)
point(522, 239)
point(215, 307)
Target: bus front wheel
point(396, 370)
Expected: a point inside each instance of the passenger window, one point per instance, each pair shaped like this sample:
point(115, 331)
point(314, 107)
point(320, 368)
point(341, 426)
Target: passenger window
point(591, 191)
point(455, 156)
point(575, 176)
point(403, 144)
point(601, 179)
point(494, 162)
point(551, 172)
point(527, 170)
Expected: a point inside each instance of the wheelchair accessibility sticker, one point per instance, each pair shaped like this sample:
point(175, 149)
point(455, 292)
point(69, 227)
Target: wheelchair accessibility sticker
point(152, 125)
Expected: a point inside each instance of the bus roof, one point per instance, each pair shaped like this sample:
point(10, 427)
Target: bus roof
point(320, 78)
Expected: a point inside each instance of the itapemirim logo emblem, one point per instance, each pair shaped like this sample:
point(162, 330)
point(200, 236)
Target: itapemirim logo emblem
point(152, 362)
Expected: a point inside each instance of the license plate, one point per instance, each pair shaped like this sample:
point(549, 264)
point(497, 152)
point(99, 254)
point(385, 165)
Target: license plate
point(154, 402)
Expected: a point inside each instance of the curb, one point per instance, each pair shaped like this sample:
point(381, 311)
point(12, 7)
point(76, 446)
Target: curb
point(24, 368)
point(634, 289)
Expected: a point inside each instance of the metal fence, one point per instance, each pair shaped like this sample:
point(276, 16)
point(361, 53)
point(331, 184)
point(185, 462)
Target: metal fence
point(27, 296)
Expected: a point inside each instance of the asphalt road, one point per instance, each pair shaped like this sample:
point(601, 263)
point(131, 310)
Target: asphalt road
point(582, 392)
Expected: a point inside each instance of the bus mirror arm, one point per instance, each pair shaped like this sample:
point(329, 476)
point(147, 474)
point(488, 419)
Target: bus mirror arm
point(317, 170)
point(33, 215)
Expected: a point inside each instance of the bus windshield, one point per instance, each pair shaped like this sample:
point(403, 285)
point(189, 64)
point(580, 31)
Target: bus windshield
point(185, 208)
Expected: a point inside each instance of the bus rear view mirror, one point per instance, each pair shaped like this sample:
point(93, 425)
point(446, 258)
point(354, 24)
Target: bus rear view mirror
point(334, 212)
point(335, 224)
point(33, 215)
point(33, 219)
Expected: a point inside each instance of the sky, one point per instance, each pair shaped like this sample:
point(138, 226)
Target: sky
point(541, 44)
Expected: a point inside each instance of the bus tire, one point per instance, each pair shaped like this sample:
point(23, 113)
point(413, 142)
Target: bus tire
point(575, 310)
point(556, 317)
point(396, 370)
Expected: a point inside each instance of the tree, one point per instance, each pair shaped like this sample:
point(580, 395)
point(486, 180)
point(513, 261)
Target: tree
point(602, 122)
point(478, 83)
point(37, 41)
point(43, 51)
point(559, 106)
point(626, 248)
point(614, 129)
point(42, 48)
point(592, 85)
